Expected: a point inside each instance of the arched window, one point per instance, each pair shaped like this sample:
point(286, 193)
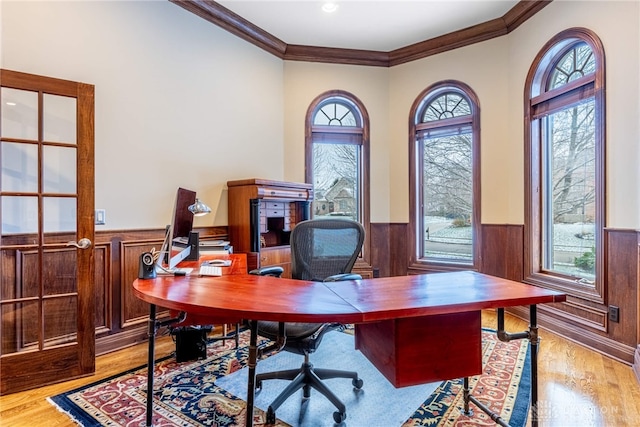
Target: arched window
point(445, 177)
point(565, 179)
point(337, 157)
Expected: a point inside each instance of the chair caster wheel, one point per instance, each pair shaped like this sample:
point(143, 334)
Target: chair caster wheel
point(339, 417)
point(271, 416)
point(357, 383)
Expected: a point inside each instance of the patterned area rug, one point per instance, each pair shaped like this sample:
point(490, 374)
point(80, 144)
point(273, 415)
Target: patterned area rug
point(187, 393)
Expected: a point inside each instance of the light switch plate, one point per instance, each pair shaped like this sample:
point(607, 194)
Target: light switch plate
point(101, 217)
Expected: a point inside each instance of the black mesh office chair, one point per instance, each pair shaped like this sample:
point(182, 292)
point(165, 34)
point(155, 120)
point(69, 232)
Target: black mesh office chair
point(321, 250)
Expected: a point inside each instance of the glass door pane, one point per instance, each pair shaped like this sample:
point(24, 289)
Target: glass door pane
point(19, 114)
point(38, 207)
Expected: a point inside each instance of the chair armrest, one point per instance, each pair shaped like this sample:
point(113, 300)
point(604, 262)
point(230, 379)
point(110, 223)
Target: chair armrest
point(274, 271)
point(344, 276)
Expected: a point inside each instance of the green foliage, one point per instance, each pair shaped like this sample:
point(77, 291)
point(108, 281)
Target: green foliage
point(586, 261)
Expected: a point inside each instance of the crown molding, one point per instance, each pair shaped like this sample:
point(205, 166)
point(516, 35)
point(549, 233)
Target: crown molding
point(237, 25)
point(336, 55)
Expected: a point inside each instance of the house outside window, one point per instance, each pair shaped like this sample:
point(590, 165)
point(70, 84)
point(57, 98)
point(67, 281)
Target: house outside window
point(445, 176)
point(565, 150)
point(337, 157)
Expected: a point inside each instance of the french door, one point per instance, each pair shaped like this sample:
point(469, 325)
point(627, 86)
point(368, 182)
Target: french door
point(47, 331)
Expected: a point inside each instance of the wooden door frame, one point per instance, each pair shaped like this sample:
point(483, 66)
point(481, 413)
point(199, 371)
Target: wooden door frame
point(21, 377)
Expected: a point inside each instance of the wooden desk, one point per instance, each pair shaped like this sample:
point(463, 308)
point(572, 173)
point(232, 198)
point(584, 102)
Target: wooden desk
point(238, 266)
point(408, 306)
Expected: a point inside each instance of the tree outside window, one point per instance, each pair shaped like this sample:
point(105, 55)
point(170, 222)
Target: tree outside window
point(445, 175)
point(336, 172)
point(337, 158)
point(565, 164)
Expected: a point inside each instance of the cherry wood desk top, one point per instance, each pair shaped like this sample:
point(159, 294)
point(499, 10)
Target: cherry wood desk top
point(437, 293)
point(245, 296)
point(372, 304)
point(238, 262)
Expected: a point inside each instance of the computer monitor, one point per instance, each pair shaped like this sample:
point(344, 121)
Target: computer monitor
point(182, 221)
point(175, 247)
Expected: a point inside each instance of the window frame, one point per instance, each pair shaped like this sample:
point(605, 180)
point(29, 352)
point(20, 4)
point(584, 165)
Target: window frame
point(348, 135)
point(539, 103)
point(416, 261)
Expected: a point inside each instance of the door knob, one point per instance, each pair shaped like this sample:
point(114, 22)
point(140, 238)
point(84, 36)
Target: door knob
point(83, 243)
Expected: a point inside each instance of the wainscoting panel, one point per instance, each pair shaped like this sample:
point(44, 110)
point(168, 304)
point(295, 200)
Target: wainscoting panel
point(121, 318)
point(102, 288)
point(133, 311)
point(389, 250)
point(578, 319)
point(502, 251)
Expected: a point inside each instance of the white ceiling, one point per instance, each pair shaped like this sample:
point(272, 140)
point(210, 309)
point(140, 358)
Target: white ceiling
point(381, 25)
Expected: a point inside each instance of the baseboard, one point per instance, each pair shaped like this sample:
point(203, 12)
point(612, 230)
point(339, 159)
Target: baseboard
point(636, 364)
point(586, 338)
point(121, 340)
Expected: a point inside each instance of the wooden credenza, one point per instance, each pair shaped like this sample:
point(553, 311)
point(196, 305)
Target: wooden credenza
point(262, 214)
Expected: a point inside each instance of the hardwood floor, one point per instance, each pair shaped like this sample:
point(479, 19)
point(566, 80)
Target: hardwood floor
point(29, 408)
point(577, 387)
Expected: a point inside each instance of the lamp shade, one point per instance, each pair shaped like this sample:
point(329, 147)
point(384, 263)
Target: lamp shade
point(199, 208)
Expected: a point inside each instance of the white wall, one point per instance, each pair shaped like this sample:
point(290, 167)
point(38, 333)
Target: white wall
point(483, 67)
point(178, 101)
point(304, 82)
point(496, 70)
point(617, 25)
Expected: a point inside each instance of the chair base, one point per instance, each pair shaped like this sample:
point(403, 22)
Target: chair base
point(306, 378)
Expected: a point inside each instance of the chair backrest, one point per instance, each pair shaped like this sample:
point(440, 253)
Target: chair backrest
point(323, 247)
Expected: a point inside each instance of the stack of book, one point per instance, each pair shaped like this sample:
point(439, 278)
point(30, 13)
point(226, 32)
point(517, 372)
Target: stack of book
point(215, 246)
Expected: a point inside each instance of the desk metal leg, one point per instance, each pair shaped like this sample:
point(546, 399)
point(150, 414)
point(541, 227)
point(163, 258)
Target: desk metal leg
point(466, 393)
point(151, 363)
point(534, 340)
point(253, 362)
point(532, 336)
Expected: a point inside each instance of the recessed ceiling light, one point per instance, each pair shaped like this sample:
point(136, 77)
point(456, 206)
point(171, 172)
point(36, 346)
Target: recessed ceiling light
point(330, 7)
point(12, 104)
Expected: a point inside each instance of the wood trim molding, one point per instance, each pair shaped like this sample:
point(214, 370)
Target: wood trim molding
point(217, 14)
point(636, 364)
point(365, 259)
point(511, 20)
point(465, 37)
point(127, 338)
point(335, 55)
point(235, 24)
point(582, 315)
point(587, 338)
point(122, 318)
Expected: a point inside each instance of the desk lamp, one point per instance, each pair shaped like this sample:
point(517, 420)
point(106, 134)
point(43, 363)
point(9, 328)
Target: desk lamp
point(199, 208)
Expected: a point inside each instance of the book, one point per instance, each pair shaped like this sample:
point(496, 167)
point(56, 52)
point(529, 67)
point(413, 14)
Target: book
point(216, 249)
point(214, 243)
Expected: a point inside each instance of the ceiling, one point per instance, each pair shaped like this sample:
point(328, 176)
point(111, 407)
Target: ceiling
point(382, 25)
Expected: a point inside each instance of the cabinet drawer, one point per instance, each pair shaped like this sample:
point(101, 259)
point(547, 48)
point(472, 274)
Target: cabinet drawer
point(273, 213)
point(274, 205)
point(282, 193)
point(274, 256)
